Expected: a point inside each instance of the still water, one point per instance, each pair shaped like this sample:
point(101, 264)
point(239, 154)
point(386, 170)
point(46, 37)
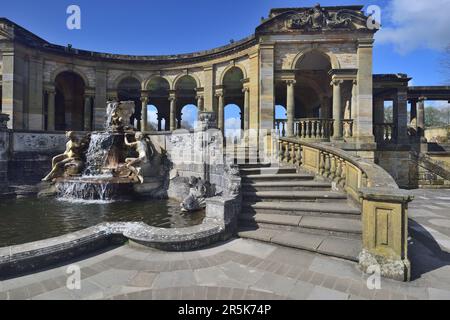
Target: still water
point(27, 220)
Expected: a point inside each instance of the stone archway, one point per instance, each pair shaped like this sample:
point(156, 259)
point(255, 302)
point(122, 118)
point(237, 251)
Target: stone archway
point(158, 89)
point(69, 102)
point(231, 93)
point(186, 102)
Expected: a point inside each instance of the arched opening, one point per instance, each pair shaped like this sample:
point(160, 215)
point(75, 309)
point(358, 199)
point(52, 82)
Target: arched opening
point(69, 102)
point(152, 118)
point(280, 120)
point(186, 92)
point(129, 89)
point(158, 89)
point(234, 102)
point(233, 123)
point(313, 85)
point(189, 116)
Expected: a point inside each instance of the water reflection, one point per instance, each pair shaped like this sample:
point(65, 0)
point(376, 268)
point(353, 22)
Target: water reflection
point(27, 220)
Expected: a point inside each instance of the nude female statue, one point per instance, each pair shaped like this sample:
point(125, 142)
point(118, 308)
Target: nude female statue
point(144, 155)
point(72, 153)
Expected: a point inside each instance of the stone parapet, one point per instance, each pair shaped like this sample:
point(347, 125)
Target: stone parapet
point(384, 206)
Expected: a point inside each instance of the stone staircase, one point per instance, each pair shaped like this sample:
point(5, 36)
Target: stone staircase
point(295, 209)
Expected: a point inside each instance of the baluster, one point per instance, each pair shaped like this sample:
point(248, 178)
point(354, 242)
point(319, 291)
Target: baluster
point(293, 155)
point(321, 163)
point(343, 181)
point(338, 173)
point(327, 165)
point(333, 167)
point(299, 156)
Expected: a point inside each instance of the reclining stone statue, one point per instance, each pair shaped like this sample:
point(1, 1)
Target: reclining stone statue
point(70, 162)
point(196, 200)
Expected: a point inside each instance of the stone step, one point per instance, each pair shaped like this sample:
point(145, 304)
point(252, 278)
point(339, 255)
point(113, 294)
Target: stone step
point(255, 165)
point(286, 186)
point(341, 226)
point(348, 249)
point(267, 170)
point(278, 196)
point(278, 177)
point(301, 208)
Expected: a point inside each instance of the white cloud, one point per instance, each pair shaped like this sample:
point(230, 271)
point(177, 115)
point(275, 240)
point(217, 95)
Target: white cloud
point(416, 24)
point(233, 127)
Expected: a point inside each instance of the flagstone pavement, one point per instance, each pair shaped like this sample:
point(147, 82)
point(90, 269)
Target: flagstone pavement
point(243, 269)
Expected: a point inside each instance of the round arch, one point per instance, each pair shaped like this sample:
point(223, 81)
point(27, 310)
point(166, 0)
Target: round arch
point(74, 70)
point(179, 78)
point(330, 56)
point(155, 79)
point(230, 67)
point(124, 76)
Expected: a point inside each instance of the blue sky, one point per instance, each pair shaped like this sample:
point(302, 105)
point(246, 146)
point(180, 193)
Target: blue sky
point(410, 41)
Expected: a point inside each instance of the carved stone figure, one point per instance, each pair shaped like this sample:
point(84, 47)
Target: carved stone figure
point(70, 162)
point(119, 114)
point(319, 18)
point(144, 155)
point(200, 190)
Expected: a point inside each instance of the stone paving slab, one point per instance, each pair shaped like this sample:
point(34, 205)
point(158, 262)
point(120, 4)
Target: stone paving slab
point(247, 269)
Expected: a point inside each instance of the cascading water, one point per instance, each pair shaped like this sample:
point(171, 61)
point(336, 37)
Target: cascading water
point(100, 180)
point(97, 153)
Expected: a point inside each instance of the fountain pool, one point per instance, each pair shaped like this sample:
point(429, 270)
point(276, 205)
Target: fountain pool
point(28, 220)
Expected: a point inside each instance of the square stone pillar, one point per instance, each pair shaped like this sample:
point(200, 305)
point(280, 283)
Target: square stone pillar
point(12, 89)
point(421, 119)
point(400, 109)
point(267, 90)
point(378, 110)
point(208, 93)
point(100, 99)
point(35, 94)
point(51, 93)
point(4, 150)
point(266, 96)
point(363, 126)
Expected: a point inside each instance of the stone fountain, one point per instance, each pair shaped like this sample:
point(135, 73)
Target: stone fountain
point(103, 165)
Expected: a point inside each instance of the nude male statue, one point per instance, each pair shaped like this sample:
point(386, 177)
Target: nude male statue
point(144, 155)
point(72, 153)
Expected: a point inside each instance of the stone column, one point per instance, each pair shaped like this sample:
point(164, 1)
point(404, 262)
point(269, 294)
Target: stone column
point(220, 110)
point(337, 109)
point(200, 104)
point(144, 120)
point(421, 118)
point(100, 99)
point(413, 121)
point(290, 107)
point(401, 115)
point(173, 111)
point(4, 151)
point(363, 121)
point(12, 89)
point(378, 111)
point(51, 109)
point(159, 123)
point(354, 98)
point(246, 91)
point(87, 113)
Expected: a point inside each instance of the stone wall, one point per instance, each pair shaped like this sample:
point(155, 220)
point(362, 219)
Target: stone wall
point(399, 165)
point(439, 135)
point(31, 154)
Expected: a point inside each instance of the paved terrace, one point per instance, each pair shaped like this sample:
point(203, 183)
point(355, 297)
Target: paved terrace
point(243, 269)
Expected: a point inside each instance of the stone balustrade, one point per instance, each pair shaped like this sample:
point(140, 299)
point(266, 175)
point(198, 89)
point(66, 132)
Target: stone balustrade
point(384, 206)
point(281, 127)
point(313, 129)
point(384, 133)
point(348, 128)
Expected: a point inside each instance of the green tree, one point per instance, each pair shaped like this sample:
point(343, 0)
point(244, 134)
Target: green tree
point(435, 117)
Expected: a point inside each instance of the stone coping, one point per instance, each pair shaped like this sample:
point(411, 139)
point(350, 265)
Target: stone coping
point(377, 176)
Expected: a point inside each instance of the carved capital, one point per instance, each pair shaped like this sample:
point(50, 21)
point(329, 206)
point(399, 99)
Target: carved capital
point(336, 82)
point(291, 82)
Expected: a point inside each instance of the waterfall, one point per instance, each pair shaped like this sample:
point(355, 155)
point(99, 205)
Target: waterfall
point(97, 154)
point(85, 190)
